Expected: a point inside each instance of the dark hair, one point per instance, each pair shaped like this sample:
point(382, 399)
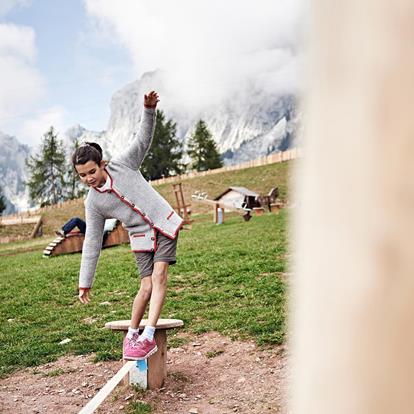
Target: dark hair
point(87, 151)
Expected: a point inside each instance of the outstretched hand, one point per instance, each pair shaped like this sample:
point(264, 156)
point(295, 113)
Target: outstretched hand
point(151, 100)
point(84, 295)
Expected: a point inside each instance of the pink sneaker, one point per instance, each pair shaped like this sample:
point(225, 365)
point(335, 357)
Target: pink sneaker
point(129, 347)
point(139, 349)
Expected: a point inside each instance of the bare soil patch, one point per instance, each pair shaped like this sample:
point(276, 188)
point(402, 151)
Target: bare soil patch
point(210, 374)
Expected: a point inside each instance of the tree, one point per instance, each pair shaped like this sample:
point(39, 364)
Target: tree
point(74, 188)
point(2, 202)
point(164, 156)
point(47, 171)
point(202, 149)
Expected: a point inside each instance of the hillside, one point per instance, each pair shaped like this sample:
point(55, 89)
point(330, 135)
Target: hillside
point(259, 179)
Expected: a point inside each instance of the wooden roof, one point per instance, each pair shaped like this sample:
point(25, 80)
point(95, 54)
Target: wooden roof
point(242, 190)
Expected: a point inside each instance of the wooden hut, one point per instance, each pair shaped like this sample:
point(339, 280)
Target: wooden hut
point(239, 198)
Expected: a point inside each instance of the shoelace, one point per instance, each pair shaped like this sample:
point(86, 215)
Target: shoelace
point(134, 341)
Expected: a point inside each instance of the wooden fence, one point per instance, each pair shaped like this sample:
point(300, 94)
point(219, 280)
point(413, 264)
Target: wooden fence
point(21, 217)
point(268, 159)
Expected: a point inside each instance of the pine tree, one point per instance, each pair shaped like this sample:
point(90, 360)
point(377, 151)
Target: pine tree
point(164, 157)
point(203, 150)
point(74, 187)
point(47, 171)
point(2, 202)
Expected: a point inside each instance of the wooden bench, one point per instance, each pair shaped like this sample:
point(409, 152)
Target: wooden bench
point(157, 363)
point(275, 207)
point(258, 211)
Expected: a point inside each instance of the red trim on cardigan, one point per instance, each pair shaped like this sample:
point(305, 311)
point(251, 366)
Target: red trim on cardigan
point(168, 235)
point(155, 241)
point(172, 237)
point(154, 248)
point(132, 207)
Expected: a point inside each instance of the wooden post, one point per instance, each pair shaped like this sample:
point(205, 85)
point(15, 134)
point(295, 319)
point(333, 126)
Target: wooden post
point(353, 293)
point(181, 207)
point(157, 363)
point(36, 228)
point(215, 212)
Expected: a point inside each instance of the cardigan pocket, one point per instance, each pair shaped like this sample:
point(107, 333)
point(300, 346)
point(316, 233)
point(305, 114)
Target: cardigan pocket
point(143, 242)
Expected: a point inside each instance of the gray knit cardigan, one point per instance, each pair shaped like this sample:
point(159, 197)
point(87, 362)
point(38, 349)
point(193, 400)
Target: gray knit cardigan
point(132, 200)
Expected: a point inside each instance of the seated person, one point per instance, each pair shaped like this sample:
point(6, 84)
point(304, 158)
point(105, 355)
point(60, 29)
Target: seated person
point(81, 225)
point(70, 225)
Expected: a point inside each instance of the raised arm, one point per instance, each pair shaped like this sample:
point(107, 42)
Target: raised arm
point(91, 247)
point(135, 153)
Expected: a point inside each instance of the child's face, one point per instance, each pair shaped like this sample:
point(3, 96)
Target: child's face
point(91, 173)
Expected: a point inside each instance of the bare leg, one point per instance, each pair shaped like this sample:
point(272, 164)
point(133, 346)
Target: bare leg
point(141, 301)
point(159, 288)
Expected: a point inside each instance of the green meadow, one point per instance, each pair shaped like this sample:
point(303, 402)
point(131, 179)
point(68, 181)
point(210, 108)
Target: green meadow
point(229, 278)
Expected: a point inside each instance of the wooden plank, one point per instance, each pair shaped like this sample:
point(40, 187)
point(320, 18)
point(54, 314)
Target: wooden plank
point(21, 220)
point(106, 389)
point(161, 324)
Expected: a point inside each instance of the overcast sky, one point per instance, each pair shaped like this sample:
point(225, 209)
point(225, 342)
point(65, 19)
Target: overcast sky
point(61, 61)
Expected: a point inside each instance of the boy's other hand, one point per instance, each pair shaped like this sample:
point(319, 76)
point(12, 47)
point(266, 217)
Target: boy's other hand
point(84, 295)
point(151, 100)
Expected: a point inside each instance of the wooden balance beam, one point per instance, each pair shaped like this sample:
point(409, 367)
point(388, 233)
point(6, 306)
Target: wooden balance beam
point(155, 376)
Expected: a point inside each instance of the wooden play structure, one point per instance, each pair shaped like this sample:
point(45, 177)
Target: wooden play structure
point(156, 370)
point(147, 374)
point(270, 200)
point(182, 209)
point(219, 207)
point(242, 200)
point(73, 241)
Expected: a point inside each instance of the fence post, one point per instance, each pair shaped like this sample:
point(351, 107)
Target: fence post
point(353, 290)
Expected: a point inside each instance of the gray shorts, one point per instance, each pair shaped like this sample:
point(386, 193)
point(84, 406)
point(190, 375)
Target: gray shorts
point(166, 252)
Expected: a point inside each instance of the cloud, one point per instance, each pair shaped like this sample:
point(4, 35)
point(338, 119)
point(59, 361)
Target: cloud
point(208, 49)
point(21, 84)
point(33, 129)
point(7, 5)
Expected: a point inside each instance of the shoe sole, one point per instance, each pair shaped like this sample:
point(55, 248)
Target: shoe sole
point(153, 351)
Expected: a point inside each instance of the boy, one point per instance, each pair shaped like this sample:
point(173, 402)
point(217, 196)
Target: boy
point(118, 190)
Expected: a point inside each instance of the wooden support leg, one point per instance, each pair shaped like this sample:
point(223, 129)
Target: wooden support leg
point(125, 380)
point(216, 213)
point(157, 363)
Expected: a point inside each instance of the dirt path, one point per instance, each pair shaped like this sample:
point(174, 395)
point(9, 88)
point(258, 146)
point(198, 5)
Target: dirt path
point(211, 374)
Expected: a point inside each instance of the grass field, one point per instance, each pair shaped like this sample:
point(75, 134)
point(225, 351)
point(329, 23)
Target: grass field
point(229, 278)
